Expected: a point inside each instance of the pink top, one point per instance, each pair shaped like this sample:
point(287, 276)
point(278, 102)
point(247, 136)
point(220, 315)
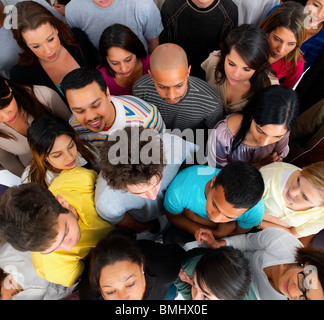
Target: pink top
point(114, 88)
point(291, 75)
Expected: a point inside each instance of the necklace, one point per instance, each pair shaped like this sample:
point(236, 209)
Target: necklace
point(200, 11)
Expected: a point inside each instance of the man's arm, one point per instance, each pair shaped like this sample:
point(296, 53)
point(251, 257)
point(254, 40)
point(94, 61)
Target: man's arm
point(182, 222)
point(152, 44)
point(129, 223)
point(267, 224)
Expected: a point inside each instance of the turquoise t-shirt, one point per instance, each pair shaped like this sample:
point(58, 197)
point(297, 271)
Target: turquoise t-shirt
point(187, 191)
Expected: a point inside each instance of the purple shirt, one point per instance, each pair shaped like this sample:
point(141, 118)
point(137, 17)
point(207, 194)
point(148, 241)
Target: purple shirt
point(114, 88)
point(220, 141)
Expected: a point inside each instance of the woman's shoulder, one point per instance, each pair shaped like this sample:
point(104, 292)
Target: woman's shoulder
point(212, 60)
point(234, 122)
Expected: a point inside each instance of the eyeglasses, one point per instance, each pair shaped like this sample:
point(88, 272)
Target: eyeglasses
point(301, 285)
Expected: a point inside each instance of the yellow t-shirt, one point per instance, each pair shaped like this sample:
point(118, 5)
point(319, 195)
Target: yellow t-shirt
point(77, 186)
point(306, 222)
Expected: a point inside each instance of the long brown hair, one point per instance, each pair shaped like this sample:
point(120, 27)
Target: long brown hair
point(41, 136)
point(25, 98)
point(252, 46)
point(291, 16)
point(30, 16)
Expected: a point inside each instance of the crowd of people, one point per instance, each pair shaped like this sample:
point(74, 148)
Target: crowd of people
point(161, 150)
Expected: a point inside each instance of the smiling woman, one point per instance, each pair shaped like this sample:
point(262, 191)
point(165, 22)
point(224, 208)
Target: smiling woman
point(293, 198)
point(19, 106)
point(55, 146)
point(122, 268)
point(50, 49)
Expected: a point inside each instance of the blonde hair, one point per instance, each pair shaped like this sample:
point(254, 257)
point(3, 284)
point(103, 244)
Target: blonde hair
point(289, 15)
point(314, 173)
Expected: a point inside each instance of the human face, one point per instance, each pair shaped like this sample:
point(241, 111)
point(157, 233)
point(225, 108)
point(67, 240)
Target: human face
point(218, 209)
point(315, 9)
point(103, 3)
point(265, 135)
point(148, 190)
point(288, 283)
point(203, 3)
point(44, 42)
point(236, 70)
point(63, 154)
point(171, 85)
point(121, 61)
point(123, 280)
point(203, 293)
point(282, 41)
point(91, 107)
point(10, 113)
point(300, 194)
point(68, 233)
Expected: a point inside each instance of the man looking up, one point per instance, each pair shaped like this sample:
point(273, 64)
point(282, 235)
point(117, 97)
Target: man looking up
point(184, 102)
point(96, 113)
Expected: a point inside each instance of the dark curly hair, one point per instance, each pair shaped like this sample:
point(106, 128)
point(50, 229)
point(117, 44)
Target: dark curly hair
point(122, 157)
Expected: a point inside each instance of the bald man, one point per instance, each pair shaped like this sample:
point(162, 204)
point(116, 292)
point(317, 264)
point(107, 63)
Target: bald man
point(184, 102)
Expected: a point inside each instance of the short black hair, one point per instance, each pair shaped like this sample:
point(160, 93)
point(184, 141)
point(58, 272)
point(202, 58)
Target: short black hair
point(81, 77)
point(225, 272)
point(242, 182)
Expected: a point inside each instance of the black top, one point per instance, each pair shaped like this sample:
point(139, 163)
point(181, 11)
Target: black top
point(36, 75)
point(198, 31)
point(162, 265)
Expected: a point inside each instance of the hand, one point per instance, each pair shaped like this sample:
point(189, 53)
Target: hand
point(60, 8)
point(184, 277)
point(207, 236)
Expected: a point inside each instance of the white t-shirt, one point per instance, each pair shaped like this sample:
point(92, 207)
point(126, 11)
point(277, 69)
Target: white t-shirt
point(269, 247)
point(19, 265)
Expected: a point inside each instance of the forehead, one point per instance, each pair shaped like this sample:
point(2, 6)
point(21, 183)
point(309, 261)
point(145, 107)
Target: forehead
point(319, 2)
point(272, 130)
point(41, 33)
point(217, 197)
point(116, 53)
point(143, 187)
point(61, 141)
point(284, 34)
point(313, 194)
point(170, 78)
point(236, 58)
point(118, 273)
point(84, 96)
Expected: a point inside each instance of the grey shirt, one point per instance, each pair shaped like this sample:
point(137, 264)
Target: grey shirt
point(143, 17)
point(112, 204)
point(201, 106)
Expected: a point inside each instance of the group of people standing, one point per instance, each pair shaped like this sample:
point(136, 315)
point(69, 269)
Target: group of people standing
point(96, 99)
